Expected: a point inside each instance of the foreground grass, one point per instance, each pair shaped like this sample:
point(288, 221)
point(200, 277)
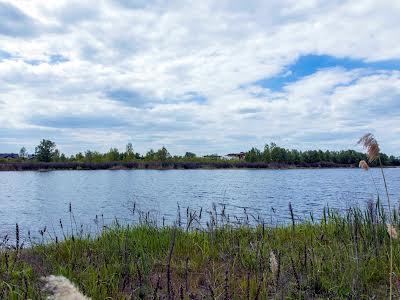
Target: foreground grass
point(339, 257)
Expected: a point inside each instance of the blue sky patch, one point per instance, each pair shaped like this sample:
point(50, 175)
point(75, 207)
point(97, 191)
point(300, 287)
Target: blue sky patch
point(57, 59)
point(33, 62)
point(195, 97)
point(130, 97)
point(309, 64)
point(4, 55)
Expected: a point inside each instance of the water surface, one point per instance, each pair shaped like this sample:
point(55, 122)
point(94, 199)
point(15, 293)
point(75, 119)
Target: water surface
point(37, 199)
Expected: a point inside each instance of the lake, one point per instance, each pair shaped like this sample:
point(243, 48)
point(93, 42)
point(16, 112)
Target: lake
point(38, 199)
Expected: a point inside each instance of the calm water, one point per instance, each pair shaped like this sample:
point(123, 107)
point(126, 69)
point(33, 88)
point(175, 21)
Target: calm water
point(38, 199)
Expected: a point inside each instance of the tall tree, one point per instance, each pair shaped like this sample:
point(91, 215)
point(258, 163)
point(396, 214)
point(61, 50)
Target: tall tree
point(113, 155)
point(266, 154)
point(190, 155)
point(45, 151)
point(254, 155)
point(163, 154)
point(23, 153)
point(129, 153)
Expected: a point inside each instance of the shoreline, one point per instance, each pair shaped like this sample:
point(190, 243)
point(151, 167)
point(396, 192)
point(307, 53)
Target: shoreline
point(166, 165)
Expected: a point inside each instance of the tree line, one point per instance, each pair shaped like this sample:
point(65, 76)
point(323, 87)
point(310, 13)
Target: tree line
point(275, 154)
point(47, 151)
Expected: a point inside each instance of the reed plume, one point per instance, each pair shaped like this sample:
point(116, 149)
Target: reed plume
point(363, 165)
point(392, 231)
point(62, 289)
point(369, 142)
point(273, 262)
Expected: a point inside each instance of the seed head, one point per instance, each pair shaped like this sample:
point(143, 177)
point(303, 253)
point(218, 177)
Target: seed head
point(392, 231)
point(369, 142)
point(363, 165)
point(273, 262)
point(62, 289)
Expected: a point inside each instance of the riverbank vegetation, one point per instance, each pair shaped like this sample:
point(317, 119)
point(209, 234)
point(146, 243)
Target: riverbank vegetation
point(47, 156)
point(336, 257)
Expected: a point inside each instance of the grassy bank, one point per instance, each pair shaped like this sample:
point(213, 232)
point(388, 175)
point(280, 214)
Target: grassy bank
point(341, 256)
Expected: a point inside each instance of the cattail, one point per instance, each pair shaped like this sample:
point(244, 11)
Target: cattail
point(369, 142)
point(392, 231)
point(363, 165)
point(273, 262)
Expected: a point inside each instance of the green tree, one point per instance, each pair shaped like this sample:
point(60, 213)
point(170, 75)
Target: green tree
point(45, 151)
point(113, 155)
point(129, 153)
point(266, 154)
point(56, 155)
point(190, 155)
point(162, 154)
point(23, 153)
point(278, 154)
point(150, 155)
point(79, 156)
point(88, 156)
point(254, 155)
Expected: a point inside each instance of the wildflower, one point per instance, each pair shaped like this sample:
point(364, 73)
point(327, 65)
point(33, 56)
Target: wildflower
point(392, 231)
point(273, 262)
point(369, 142)
point(62, 289)
point(363, 165)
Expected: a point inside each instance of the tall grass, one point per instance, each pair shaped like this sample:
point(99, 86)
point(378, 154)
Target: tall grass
point(341, 256)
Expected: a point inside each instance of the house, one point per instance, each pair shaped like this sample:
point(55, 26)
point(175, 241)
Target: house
point(9, 155)
point(240, 155)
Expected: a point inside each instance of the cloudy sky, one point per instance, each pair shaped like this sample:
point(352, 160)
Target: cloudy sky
point(202, 76)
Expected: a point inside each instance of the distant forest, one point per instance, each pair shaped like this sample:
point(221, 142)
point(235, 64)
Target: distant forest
point(272, 154)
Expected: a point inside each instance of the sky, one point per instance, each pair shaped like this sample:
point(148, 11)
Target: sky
point(202, 76)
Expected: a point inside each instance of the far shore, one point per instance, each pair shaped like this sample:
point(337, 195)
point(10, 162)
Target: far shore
point(163, 165)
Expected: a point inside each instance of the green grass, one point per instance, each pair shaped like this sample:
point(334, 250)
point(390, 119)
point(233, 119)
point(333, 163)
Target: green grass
point(338, 257)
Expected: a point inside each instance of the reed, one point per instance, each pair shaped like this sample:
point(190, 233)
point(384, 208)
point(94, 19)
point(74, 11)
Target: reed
point(372, 147)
